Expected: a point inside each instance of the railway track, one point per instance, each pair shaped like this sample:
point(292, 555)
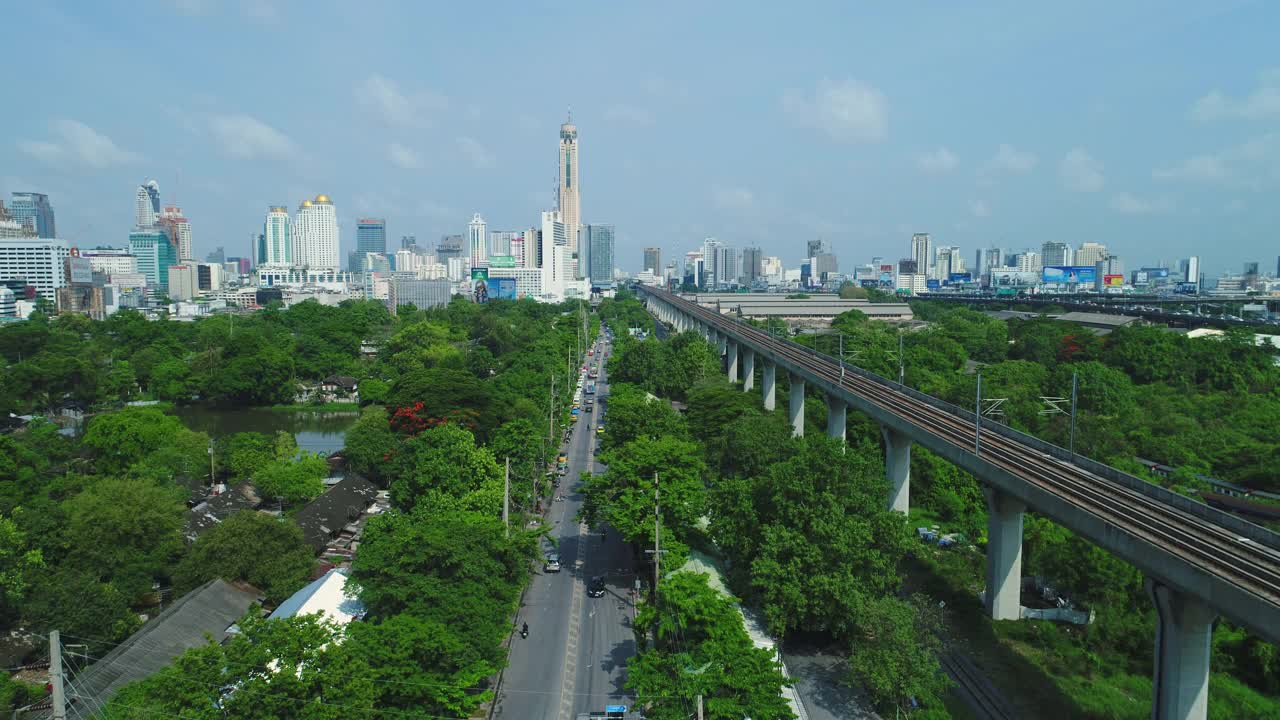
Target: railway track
point(1200, 542)
point(975, 689)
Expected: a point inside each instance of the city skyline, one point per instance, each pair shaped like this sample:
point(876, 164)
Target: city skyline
point(1160, 162)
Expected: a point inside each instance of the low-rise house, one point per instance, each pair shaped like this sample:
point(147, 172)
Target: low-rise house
point(335, 520)
point(215, 509)
point(328, 596)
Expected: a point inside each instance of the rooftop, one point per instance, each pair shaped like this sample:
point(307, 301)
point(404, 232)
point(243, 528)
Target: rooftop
point(323, 518)
point(328, 596)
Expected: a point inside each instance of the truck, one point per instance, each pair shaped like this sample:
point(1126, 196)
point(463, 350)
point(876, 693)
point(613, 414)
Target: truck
point(591, 389)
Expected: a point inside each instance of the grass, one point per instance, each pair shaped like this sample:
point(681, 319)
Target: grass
point(323, 407)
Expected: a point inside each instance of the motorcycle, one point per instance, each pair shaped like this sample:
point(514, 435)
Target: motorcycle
point(524, 631)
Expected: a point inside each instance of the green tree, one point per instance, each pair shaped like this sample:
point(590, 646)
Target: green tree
point(702, 648)
point(895, 651)
point(634, 413)
point(370, 445)
point(125, 531)
point(444, 460)
point(294, 480)
point(266, 552)
point(125, 437)
point(77, 604)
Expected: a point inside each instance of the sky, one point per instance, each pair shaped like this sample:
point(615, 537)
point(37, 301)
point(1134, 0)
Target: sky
point(1152, 127)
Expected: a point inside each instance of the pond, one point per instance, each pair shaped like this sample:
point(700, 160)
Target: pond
point(321, 431)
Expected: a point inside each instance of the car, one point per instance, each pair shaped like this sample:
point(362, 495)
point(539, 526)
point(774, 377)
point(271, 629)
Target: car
point(552, 563)
point(595, 588)
point(600, 430)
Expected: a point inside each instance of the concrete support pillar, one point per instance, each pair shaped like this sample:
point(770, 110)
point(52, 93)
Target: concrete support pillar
point(897, 465)
point(731, 360)
point(722, 343)
point(1004, 555)
point(1184, 631)
point(769, 387)
point(797, 405)
point(748, 369)
point(836, 410)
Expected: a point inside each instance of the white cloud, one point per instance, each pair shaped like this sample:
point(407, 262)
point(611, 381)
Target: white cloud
point(404, 157)
point(1123, 202)
point(733, 198)
point(245, 136)
point(478, 154)
point(78, 144)
point(1201, 168)
point(1263, 102)
point(980, 209)
point(1081, 172)
point(383, 96)
point(1009, 159)
point(848, 111)
point(937, 162)
point(629, 115)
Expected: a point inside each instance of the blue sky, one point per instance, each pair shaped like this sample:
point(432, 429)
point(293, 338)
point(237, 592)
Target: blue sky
point(1153, 127)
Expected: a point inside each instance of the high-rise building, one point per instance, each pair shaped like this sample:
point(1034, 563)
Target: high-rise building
point(908, 266)
point(38, 261)
point(568, 184)
point(371, 235)
point(710, 277)
point(1090, 253)
point(155, 253)
point(598, 240)
point(10, 228)
point(1029, 261)
point(752, 264)
point(824, 265)
point(1055, 253)
point(922, 252)
point(728, 266)
point(500, 241)
point(1191, 269)
point(948, 260)
point(316, 235)
point(408, 241)
point(33, 211)
point(111, 261)
point(652, 259)
point(451, 246)
point(1250, 276)
point(988, 258)
point(218, 256)
point(173, 222)
point(813, 248)
point(478, 241)
point(147, 204)
point(277, 247)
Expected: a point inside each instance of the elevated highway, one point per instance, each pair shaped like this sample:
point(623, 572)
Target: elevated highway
point(1200, 562)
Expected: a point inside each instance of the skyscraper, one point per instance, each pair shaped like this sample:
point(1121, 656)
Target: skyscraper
point(500, 241)
point(813, 248)
point(176, 225)
point(450, 246)
point(752, 264)
point(147, 204)
point(948, 261)
point(32, 210)
point(1191, 270)
point(156, 254)
point(1055, 253)
point(1090, 253)
point(277, 245)
point(567, 185)
point(315, 234)
point(728, 267)
point(652, 259)
point(371, 235)
point(478, 241)
point(988, 258)
point(922, 252)
point(598, 242)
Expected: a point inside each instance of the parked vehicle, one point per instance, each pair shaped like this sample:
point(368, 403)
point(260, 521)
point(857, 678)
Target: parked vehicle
point(552, 564)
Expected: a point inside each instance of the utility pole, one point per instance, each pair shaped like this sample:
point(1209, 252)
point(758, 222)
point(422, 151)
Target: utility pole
point(212, 477)
point(657, 538)
point(1072, 445)
point(506, 499)
point(55, 676)
point(901, 361)
point(699, 706)
point(841, 358)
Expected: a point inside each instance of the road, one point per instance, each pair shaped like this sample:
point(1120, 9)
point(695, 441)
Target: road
point(575, 657)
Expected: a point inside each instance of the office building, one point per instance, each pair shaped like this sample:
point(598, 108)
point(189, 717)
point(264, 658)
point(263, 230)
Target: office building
point(33, 211)
point(371, 235)
point(451, 246)
point(277, 245)
point(709, 278)
point(500, 241)
point(1028, 261)
point(554, 254)
point(752, 265)
point(598, 241)
point(478, 241)
point(567, 197)
point(652, 259)
point(175, 224)
point(111, 261)
point(408, 241)
point(1055, 253)
point(813, 248)
point(922, 252)
point(155, 253)
point(1250, 276)
point(947, 260)
point(728, 266)
point(988, 258)
point(8, 303)
point(316, 234)
point(1191, 269)
point(146, 204)
point(1090, 253)
point(217, 256)
point(824, 266)
point(38, 261)
point(182, 282)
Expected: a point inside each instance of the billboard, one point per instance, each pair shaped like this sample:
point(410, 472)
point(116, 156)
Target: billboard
point(886, 269)
point(1069, 274)
point(933, 284)
point(963, 277)
point(1187, 288)
point(502, 261)
point(869, 283)
point(79, 271)
point(1155, 273)
point(1014, 278)
point(502, 288)
point(480, 284)
point(886, 276)
point(1139, 277)
point(1113, 280)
